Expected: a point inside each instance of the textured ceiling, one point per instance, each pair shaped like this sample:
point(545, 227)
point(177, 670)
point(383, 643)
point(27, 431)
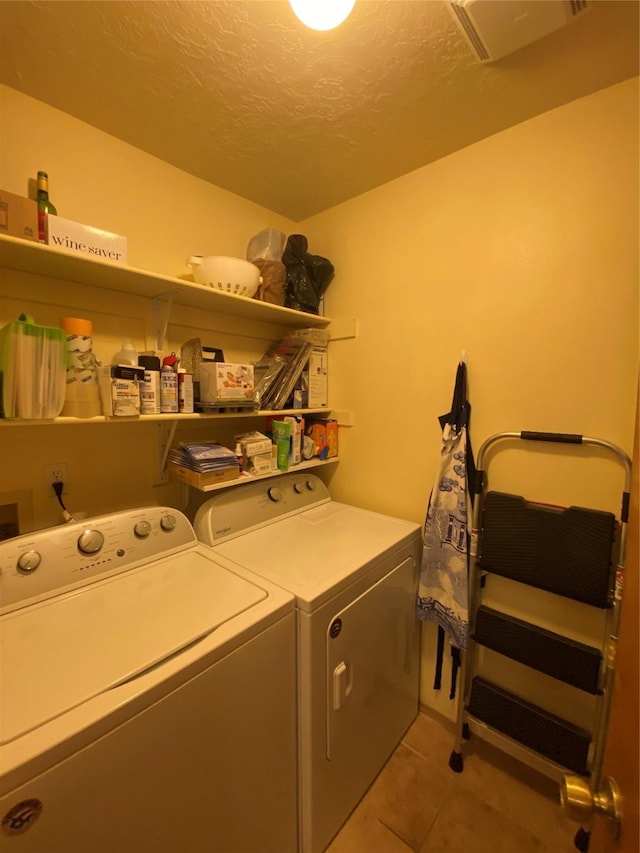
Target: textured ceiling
point(241, 94)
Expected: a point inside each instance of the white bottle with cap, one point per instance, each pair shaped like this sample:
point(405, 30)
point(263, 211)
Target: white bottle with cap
point(126, 355)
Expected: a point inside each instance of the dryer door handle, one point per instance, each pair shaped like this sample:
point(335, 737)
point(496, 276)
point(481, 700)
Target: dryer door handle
point(342, 684)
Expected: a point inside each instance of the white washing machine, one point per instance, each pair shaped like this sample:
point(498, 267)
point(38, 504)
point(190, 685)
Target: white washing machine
point(148, 695)
point(354, 574)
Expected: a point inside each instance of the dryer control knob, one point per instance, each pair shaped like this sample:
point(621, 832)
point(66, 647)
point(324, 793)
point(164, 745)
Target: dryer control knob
point(298, 487)
point(311, 485)
point(168, 522)
point(90, 541)
point(142, 529)
point(275, 494)
point(28, 562)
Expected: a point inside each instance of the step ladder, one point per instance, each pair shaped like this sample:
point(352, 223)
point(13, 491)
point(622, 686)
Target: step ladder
point(573, 552)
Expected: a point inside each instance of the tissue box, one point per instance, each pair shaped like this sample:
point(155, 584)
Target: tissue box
point(225, 382)
point(256, 450)
point(18, 216)
point(79, 239)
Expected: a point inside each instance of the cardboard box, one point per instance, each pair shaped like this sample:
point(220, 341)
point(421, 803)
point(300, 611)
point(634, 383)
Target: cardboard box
point(254, 443)
point(79, 239)
point(318, 376)
point(223, 382)
point(258, 464)
point(18, 216)
point(201, 481)
point(324, 433)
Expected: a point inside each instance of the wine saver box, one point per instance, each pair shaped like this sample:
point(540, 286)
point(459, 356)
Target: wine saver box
point(79, 239)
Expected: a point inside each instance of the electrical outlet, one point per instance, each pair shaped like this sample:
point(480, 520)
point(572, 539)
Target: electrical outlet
point(56, 472)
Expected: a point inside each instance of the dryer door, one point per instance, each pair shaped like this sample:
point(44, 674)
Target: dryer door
point(372, 669)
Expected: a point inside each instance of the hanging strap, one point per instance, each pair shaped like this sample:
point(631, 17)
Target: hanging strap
point(459, 416)
point(437, 681)
point(455, 666)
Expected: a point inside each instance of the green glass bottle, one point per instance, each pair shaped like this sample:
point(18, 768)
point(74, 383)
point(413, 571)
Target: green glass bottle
point(45, 206)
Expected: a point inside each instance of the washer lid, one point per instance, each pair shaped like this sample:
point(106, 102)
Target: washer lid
point(62, 652)
point(316, 552)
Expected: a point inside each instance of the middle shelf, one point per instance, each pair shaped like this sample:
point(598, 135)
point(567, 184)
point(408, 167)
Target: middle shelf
point(165, 418)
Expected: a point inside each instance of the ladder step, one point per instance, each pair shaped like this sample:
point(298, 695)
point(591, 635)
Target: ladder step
point(543, 732)
point(564, 551)
point(560, 657)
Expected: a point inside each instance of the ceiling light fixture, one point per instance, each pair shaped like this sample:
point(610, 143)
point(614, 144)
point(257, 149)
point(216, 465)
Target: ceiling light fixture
point(322, 14)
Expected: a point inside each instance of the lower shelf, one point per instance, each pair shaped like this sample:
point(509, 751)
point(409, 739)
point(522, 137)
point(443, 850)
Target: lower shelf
point(250, 478)
point(548, 735)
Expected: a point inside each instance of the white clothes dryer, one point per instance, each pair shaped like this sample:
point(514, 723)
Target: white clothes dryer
point(148, 694)
point(354, 574)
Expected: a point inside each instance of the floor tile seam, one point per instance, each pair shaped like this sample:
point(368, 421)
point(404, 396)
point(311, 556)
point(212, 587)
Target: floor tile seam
point(515, 777)
point(422, 755)
point(551, 838)
point(527, 789)
point(423, 837)
point(397, 835)
point(478, 793)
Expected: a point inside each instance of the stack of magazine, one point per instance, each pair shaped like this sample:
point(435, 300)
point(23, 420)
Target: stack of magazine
point(279, 370)
point(203, 456)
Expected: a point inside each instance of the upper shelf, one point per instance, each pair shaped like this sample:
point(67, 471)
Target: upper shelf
point(27, 256)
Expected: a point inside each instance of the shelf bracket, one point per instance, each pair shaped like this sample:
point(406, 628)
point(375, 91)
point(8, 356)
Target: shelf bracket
point(165, 434)
point(162, 304)
point(345, 417)
point(343, 329)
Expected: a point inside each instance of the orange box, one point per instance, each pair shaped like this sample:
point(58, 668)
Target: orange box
point(324, 432)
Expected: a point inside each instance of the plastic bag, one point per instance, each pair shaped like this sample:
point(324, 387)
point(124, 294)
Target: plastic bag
point(308, 276)
point(265, 251)
point(267, 245)
point(273, 277)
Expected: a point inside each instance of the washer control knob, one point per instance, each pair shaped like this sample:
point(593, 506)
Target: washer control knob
point(275, 494)
point(168, 522)
point(298, 487)
point(90, 541)
point(142, 529)
point(311, 485)
point(28, 562)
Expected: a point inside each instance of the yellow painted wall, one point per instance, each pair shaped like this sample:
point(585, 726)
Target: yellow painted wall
point(167, 215)
point(95, 178)
point(521, 249)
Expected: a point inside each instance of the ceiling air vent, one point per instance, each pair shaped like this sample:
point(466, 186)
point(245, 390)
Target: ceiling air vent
point(495, 28)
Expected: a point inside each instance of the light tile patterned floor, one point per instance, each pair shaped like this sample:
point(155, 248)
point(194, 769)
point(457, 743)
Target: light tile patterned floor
point(418, 805)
